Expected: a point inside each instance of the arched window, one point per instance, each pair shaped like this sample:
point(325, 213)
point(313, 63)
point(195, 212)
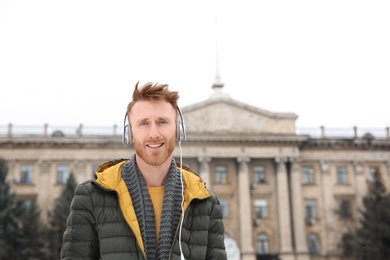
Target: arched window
point(314, 244)
point(262, 244)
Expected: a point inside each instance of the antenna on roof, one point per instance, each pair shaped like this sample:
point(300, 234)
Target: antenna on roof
point(218, 84)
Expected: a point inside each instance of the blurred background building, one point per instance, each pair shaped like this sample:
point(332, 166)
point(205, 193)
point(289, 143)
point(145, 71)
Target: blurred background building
point(286, 193)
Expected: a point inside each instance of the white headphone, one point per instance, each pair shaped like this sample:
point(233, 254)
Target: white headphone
point(180, 130)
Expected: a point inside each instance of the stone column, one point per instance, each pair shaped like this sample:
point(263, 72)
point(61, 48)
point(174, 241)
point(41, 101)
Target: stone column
point(80, 171)
point(283, 199)
point(360, 182)
point(327, 195)
point(298, 210)
point(246, 238)
point(205, 170)
point(44, 186)
point(12, 176)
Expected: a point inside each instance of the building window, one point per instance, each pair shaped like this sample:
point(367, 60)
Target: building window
point(314, 244)
point(221, 175)
point(26, 173)
point(27, 204)
point(342, 175)
point(261, 208)
point(345, 209)
point(63, 173)
point(373, 173)
point(311, 209)
point(225, 208)
point(262, 244)
point(258, 174)
point(308, 175)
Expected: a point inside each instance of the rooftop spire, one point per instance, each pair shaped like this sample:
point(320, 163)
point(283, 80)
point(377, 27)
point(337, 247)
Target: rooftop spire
point(218, 84)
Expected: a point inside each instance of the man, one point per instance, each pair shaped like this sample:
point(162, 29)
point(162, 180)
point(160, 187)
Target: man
point(147, 207)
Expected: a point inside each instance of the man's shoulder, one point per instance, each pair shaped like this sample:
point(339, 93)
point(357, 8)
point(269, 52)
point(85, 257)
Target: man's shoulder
point(85, 185)
point(185, 168)
point(110, 164)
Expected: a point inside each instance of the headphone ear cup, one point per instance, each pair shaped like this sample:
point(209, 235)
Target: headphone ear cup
point(180, 128)
point(126, 136)
point(126, 139)
point(129, 136)
point(178, 131)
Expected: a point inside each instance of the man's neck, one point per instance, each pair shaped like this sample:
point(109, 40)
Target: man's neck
point(154, 176)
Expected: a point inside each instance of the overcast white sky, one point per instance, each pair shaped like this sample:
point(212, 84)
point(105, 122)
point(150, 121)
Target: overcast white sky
point(77, 61)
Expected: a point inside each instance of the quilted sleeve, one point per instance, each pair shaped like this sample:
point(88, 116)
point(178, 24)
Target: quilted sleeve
point(216, 245)
point(80, 239)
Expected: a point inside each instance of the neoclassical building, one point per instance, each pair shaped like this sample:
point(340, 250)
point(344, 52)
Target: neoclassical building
point(285, 192)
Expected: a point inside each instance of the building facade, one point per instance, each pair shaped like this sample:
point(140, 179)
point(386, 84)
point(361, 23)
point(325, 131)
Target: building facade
point(285, 193)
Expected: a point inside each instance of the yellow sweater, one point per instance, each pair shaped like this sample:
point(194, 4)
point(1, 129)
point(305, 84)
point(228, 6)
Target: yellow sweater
point(157, 196)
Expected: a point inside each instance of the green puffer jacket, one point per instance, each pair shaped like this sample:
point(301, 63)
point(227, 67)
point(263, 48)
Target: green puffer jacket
point(102, 223)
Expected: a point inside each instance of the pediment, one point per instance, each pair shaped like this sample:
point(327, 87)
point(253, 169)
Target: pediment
point(225, 115)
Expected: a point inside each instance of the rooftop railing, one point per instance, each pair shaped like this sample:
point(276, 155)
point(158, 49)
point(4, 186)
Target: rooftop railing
point(95, 131)
point(354, 132)
point(58, 131)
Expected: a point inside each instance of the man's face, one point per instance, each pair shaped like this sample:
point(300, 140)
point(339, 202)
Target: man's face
point(153, 127)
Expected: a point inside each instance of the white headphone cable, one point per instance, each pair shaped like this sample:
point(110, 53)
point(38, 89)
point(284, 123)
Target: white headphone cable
point(182, 201)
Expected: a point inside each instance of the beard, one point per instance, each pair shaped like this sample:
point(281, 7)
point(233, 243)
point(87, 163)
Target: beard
point(155, 158)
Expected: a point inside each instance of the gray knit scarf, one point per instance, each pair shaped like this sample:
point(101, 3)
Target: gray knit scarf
point(145, 213)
